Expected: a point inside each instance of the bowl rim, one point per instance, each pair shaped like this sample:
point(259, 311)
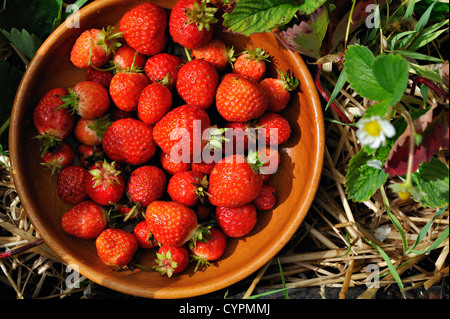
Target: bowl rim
point(308, 88)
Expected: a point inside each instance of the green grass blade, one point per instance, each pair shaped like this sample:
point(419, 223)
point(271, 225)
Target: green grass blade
point(391, 267)
point(286, 295)
point(394, 220)
point(339, 85)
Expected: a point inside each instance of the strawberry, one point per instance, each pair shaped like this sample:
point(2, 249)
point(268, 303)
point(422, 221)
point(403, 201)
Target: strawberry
point(279, 90)
point(216, 53)
point(146, 184)
point(88, 99)
point(171, 223)
point(267, 198)
point(85, 220)
point(52, 122)
point(94, 47)
point(270, 157)
point(144, 236)
point(91, 131)
point(203, 167)
point(143, 28)
point(238, 137)
point(209, 250)
point(171, 260)
point(234, 182)
point(163, 68)
point(117, 114)
point(116, 247)
point(172, 167)
point(126, 58)
point(154, 102)
point(129, 141)
point(88, 154)
point(183, 123)
point(187, 188)
point(277, 129)
point(125, 89)
point(107, 184)
point(240, 99)
point(102, 77)
point(252, 63)
point(57, 159)
point(197, 82)
point(236, 221)
point(191, 23)
point(71, 184)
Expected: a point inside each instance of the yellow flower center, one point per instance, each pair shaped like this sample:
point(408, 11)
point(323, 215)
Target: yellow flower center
point(373, 128)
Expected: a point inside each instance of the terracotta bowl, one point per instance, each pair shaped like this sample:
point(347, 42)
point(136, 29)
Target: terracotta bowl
point(296, 180)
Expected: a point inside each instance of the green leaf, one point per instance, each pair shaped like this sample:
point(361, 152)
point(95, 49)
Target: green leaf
point(391, 72)
point(417, 56)
point(432, 179)
point(365, 175)
point(26, 43)
point(255, 16)
point(427, 35)
point(358, 63)
point(337, 88)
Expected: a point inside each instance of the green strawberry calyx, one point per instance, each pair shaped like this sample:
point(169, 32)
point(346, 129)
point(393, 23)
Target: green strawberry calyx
point(201, 15)
point(166, 265)
point(106, 174)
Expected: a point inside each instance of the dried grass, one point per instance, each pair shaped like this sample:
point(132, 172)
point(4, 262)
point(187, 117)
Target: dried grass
point(328, 250)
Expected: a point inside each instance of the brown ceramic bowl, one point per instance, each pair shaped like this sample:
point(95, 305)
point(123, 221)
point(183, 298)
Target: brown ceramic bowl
point(296, 180)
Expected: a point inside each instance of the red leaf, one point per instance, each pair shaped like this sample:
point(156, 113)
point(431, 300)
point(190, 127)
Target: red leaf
point(434, 128)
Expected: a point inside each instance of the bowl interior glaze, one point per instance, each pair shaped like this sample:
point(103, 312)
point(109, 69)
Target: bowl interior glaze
point(296, 180)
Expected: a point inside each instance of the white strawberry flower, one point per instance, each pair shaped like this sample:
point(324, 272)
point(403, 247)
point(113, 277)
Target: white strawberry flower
point(373, 131)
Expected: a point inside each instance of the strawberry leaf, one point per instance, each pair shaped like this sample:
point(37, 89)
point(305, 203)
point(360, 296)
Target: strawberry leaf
point(255, 16)
point(365, 174)
point(433, 127)
point(432, 179)
point(25, 42)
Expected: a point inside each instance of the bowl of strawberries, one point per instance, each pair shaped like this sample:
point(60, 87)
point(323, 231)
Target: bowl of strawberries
point(165, 157)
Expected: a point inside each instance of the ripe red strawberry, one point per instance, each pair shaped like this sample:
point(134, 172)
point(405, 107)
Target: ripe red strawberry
point(94, 47)
point(209, 250)
point(279, 90)
point(85, 220)
point(129, 141)
point(102, 77)
point(183, 123)
point(267, 198)
point(277, 128)
point(143, 28)
point(155, 101)
point(203, 167)
point(171, 223)
point(238, 136)
point(126, 58)
point(236, 221)
point(106, 185)
point(125, 89)
point(191, 23)
point(270, 159)
point(144, 236)
point(49, 119)
point(116, 247)
point(216, 53)
point(171, 260)
point(163, 68)
point(89, 155)
point(91, 131)
point(172, 167)
point(240, 99)
point(146, 184)
point(88, 99)
point(197, 82)
point(234, 182)
point(252, 63)
point(71, 184)
point(57, 159)
point(117, 114)
point(187, 188)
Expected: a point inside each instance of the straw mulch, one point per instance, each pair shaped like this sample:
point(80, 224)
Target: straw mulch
point(329, 250)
